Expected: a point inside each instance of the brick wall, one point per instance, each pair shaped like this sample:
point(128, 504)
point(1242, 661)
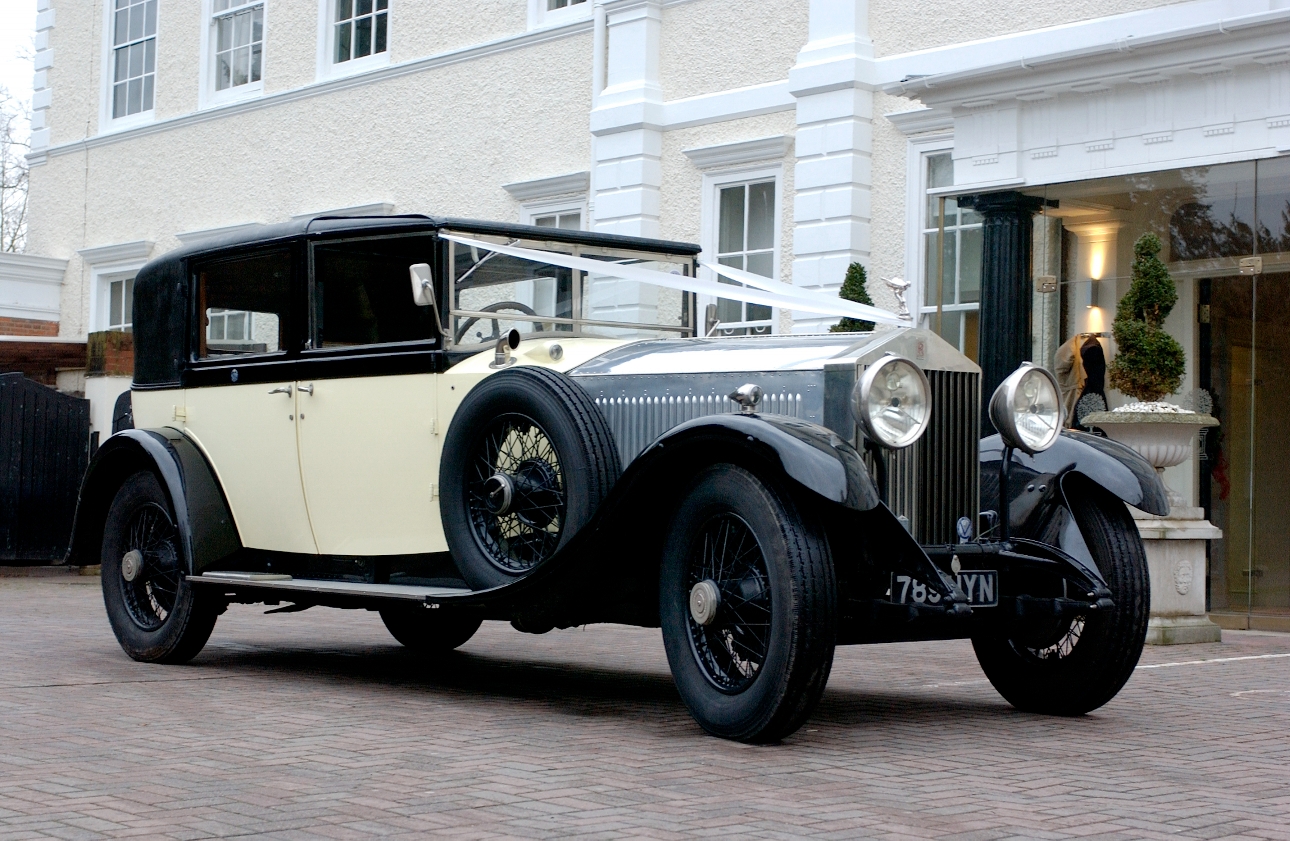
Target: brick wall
point(110, 353)
point(27, 327)
point(40, 361)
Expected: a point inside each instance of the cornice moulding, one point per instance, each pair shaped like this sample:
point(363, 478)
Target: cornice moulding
point(921, 120)
point(190, 237)
point(32, 269)
point(742, 152)
point(117, 253)
point(545, 188)
point(381, 208)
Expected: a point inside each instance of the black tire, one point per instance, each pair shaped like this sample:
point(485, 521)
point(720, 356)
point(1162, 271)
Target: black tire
point(739, 678)
point(1082, 663)
point(542, 434)
point(430, 631)
point(157, 616)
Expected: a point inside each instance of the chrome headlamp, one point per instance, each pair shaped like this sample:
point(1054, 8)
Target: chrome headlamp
point(893, 402)
point(1026, 409)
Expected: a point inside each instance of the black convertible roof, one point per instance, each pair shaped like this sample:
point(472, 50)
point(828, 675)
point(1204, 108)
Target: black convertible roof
point(161, 287)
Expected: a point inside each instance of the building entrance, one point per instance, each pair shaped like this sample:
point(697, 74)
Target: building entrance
point(1244, 330)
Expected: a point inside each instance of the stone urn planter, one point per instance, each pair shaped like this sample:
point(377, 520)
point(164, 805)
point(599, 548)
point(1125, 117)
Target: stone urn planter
point(1175, 544)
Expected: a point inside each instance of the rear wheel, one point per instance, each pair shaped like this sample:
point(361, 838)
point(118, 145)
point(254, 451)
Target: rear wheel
point(423, 629)
point(748, 607)
point(1081, 662)
point(156, 616)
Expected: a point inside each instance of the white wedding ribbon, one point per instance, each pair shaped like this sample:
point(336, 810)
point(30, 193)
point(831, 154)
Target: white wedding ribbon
point(759, 290)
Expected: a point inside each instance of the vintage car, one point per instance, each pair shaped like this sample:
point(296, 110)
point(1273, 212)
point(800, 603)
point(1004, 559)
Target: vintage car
point(450, 421)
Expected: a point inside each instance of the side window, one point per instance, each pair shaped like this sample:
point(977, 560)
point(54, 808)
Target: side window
point(359, 29)
point(362, 294)
point(243, 305)
point(134, 56)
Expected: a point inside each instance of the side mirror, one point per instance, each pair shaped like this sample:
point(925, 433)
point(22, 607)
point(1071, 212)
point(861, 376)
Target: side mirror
point(422, 285)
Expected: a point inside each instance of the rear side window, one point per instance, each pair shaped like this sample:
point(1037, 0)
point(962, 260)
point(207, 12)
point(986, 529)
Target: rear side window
point(242, 305)
point(362, 293)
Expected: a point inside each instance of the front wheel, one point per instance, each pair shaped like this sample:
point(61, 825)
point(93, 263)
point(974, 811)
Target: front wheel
point(156, 615)
point(748, 607)
point(1081, 663)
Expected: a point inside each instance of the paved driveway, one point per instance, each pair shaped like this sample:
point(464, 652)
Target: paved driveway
point(317, 725)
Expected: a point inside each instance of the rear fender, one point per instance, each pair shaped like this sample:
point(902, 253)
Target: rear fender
point(206, 528)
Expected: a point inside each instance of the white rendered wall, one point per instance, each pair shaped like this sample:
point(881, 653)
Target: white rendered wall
point(102, 393)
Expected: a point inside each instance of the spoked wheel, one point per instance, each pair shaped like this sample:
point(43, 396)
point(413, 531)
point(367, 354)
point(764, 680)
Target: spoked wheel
point(517, 494)
point(1077, 663)
point(748, 606)
point(526, 462)
point(155, 615)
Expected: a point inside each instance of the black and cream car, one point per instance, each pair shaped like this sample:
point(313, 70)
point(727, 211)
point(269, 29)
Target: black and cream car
point(450, 421)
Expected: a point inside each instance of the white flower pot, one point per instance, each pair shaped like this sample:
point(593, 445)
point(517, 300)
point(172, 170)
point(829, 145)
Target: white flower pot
point(1163, 438)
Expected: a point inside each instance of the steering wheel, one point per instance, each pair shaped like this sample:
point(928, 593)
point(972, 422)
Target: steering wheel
point(498, 307)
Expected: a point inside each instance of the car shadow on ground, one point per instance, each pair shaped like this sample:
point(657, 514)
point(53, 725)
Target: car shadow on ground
point(579, 688)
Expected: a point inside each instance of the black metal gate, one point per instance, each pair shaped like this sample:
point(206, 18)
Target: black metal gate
point(44, 450)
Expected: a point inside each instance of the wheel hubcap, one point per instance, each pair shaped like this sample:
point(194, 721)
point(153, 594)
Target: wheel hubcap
point(131, 564)
point(705, 598)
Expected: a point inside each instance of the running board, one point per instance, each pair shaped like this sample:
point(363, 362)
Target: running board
point(274, 581)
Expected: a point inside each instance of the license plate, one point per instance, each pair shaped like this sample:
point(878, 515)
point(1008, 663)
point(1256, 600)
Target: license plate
point(980, 585)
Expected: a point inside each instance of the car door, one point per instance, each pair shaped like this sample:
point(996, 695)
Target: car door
point(241, 404)
point(369, 448)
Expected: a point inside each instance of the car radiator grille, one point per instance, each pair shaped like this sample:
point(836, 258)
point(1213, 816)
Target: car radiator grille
point(637, 421)
point(936, 481)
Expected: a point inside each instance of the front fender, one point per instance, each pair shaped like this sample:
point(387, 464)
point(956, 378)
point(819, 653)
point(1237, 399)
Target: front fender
point(1109, 464)
point(814, 457)
point(206, 529)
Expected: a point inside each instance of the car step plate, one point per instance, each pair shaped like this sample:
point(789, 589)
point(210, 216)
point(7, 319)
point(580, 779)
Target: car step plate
point(272, 581)
point(980, 585)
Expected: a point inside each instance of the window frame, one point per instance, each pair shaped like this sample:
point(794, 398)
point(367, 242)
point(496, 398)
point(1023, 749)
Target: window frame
point(713, 183)
point(102, 276)
point(540, 16)
point(288, 322)
point(107, 122)
point(328, 69)
point(208, 96)
point(308, 320)
point(530, 212)
point(916, 225)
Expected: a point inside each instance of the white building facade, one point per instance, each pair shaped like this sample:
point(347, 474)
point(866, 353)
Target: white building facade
point(789, 137)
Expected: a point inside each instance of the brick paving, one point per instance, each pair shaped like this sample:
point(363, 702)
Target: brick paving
point(318, 725)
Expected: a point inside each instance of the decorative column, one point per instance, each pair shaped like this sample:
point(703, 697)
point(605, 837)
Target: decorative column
point(833, 82)
point(1005, 288)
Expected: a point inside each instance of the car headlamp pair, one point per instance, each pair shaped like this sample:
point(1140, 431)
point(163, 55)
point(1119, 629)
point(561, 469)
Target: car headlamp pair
point(892, 402)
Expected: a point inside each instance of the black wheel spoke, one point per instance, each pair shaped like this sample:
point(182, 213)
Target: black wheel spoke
point(151, 597)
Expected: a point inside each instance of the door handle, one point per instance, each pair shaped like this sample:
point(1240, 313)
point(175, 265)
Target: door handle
point(307, 389)
point(282, 389)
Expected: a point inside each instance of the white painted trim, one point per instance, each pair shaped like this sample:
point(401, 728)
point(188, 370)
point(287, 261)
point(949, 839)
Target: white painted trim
point(48, 340)
point(326, 69)
point(101, 276)
point(739, 153)
point(915, 200)
point(921, 120)
point(32, 269)
point(108, 125)
point(207, 96)
point(190, 237)
point(1020, 53)
point(752, 101)
point(118, 252)
point(544, 188)
point(383, 208)
point(709, 220)
point(322, 87)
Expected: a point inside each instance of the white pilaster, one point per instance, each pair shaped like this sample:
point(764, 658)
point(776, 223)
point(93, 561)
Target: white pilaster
point(627, 148)
point(833, 84)
point(42, 94)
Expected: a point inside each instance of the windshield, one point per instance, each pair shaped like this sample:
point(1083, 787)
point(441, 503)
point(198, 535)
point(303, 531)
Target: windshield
point(493, 293)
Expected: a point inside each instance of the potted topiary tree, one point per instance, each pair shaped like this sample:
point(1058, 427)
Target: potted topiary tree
point(854, 289)
point(1148, 366)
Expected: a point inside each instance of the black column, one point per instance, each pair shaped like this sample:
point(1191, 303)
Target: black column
point(1004, 341)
